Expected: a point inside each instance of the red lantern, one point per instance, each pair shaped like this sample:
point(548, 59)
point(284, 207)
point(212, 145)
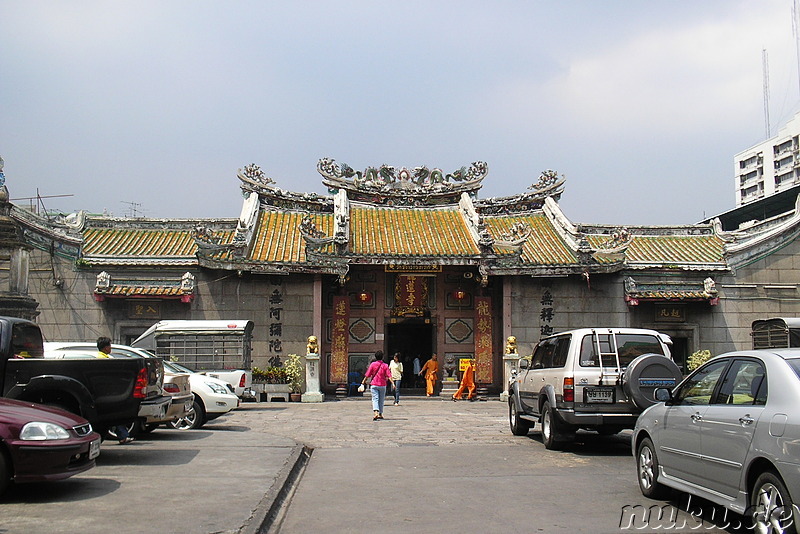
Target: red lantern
point(459, 294)
point(365, 297)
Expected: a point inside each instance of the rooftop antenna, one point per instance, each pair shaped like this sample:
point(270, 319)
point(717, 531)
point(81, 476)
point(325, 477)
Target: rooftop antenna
point(765, 69)
point(134, 209)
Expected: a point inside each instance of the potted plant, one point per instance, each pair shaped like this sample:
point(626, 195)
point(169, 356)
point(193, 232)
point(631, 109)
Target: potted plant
point(271, 382)
point(294, 374)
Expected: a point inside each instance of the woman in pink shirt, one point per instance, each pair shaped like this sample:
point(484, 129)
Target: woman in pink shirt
point(379, 372)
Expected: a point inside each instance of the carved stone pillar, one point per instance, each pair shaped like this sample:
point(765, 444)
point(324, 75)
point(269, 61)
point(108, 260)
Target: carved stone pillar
point(312, 394)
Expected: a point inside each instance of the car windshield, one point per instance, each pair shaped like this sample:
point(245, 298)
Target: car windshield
point(794, 363)
point(629, 347)
point(177, 368)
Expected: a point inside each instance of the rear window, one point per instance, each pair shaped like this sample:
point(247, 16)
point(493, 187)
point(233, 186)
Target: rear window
point(795, 365)
point(629, 347)
point(26, 341)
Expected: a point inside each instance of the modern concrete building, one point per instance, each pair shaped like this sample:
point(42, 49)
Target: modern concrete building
point(769, 167)
point(408, 260)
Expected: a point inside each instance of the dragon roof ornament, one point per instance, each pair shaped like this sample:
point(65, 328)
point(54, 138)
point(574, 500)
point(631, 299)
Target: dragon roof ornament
point(402, 186)
point(253, 176)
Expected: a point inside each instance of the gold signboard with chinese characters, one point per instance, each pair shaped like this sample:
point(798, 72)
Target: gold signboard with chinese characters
point(144, 309)
point(673, 313)
point(394, 268)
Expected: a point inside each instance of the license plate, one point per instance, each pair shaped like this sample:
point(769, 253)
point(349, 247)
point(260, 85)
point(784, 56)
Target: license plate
point(598, 395)
point(94, 449)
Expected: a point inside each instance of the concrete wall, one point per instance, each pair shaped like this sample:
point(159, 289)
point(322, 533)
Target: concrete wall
point(69, 311)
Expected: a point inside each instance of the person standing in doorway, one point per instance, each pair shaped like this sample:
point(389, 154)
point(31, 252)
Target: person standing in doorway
point(396, 368)
point(104, 351)
point(417, 368)
point(467, 382)
point(431, 372)
point(378, 372)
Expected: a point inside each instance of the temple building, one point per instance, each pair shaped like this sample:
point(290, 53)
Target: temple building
point(407, 260)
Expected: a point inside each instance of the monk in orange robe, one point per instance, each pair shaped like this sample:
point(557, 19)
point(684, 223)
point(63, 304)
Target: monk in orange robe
point(431, 372)
point(467, 382)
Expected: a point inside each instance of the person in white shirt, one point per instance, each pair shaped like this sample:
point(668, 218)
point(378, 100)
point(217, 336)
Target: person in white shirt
point(396, 368)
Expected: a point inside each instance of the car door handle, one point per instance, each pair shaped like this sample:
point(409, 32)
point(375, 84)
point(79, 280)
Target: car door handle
point(697, 417)
point(746, 420)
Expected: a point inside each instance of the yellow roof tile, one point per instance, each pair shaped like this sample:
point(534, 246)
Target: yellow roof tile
point(410, 232)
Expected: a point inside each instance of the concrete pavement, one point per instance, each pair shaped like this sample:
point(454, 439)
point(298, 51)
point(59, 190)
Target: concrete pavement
point(232, 475)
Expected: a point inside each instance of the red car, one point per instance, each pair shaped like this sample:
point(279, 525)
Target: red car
point(39, 443)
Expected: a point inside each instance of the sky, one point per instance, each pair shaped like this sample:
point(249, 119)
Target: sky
point(149, 108)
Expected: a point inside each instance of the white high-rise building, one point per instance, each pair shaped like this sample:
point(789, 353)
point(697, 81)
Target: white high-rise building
point(769, 167)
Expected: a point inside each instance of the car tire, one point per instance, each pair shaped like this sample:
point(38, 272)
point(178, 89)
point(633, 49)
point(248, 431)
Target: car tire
point(519, 427)
point(553, 433)
point(771, 505)
point(194, 419)
point(647, 471)
point(146, 429)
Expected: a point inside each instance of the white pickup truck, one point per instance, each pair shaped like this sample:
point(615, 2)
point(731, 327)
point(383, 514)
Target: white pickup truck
point(219, 349)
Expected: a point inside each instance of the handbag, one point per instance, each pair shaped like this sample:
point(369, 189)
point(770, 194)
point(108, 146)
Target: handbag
point(361, 388)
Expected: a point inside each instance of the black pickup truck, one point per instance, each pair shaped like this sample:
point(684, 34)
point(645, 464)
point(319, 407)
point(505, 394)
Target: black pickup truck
point(105, 391)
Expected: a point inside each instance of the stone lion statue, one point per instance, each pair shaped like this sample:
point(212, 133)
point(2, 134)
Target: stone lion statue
point(511, 345)
point(312, 347)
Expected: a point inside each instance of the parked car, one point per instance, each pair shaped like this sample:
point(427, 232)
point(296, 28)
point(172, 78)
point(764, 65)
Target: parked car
point(173, 401)
point(40, 443)
point(212, 398)
point(592, 378)
point(105, 391)
point(729, 433)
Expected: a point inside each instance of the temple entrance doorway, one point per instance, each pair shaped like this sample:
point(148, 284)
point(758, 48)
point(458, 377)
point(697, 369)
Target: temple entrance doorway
point(412, 338)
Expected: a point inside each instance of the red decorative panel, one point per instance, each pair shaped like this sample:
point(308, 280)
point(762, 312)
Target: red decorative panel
point(341, 318)
point(483, 339)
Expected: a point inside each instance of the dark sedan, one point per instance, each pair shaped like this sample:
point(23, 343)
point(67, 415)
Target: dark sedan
point(40, 443)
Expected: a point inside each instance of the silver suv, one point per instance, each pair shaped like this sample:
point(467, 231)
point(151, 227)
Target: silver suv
point(592, 378)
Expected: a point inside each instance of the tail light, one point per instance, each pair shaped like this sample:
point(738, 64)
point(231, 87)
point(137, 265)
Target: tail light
point(141, 385)
point(172, 388)
point(569, 389)
point(242, 381)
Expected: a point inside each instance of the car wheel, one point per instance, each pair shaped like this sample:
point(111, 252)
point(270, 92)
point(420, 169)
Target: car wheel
point(5, 472)
point(647, 470)
point(149, 427)
point(195, 418)
point(771, 505)
point(552, 433)
point(519, 427)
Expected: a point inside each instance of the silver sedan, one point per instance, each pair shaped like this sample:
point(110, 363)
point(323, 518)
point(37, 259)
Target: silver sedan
point(729, 433)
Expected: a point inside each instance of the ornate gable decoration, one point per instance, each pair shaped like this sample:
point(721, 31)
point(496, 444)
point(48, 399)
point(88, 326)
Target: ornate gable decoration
point(615, 247)
point(391, 186)
point(549, 185)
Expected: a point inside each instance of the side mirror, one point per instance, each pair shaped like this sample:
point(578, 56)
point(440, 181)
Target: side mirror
point(663, 395)
point(523, 364)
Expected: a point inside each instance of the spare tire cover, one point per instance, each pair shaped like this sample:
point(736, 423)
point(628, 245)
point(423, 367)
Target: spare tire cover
point(647, 373)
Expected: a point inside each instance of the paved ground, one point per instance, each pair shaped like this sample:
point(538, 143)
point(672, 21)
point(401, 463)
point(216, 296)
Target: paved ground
point(432, 465)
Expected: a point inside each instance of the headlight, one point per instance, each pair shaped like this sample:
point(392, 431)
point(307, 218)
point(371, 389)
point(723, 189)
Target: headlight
point(36, 431)
point(217, 388)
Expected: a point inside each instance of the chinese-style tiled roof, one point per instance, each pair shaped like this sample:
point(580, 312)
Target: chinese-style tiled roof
point(141, 288)
point(278, 238)
point(543, 247)
point(680, 250)
point(138, 246)
point(409, 232)
point(143, 242)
